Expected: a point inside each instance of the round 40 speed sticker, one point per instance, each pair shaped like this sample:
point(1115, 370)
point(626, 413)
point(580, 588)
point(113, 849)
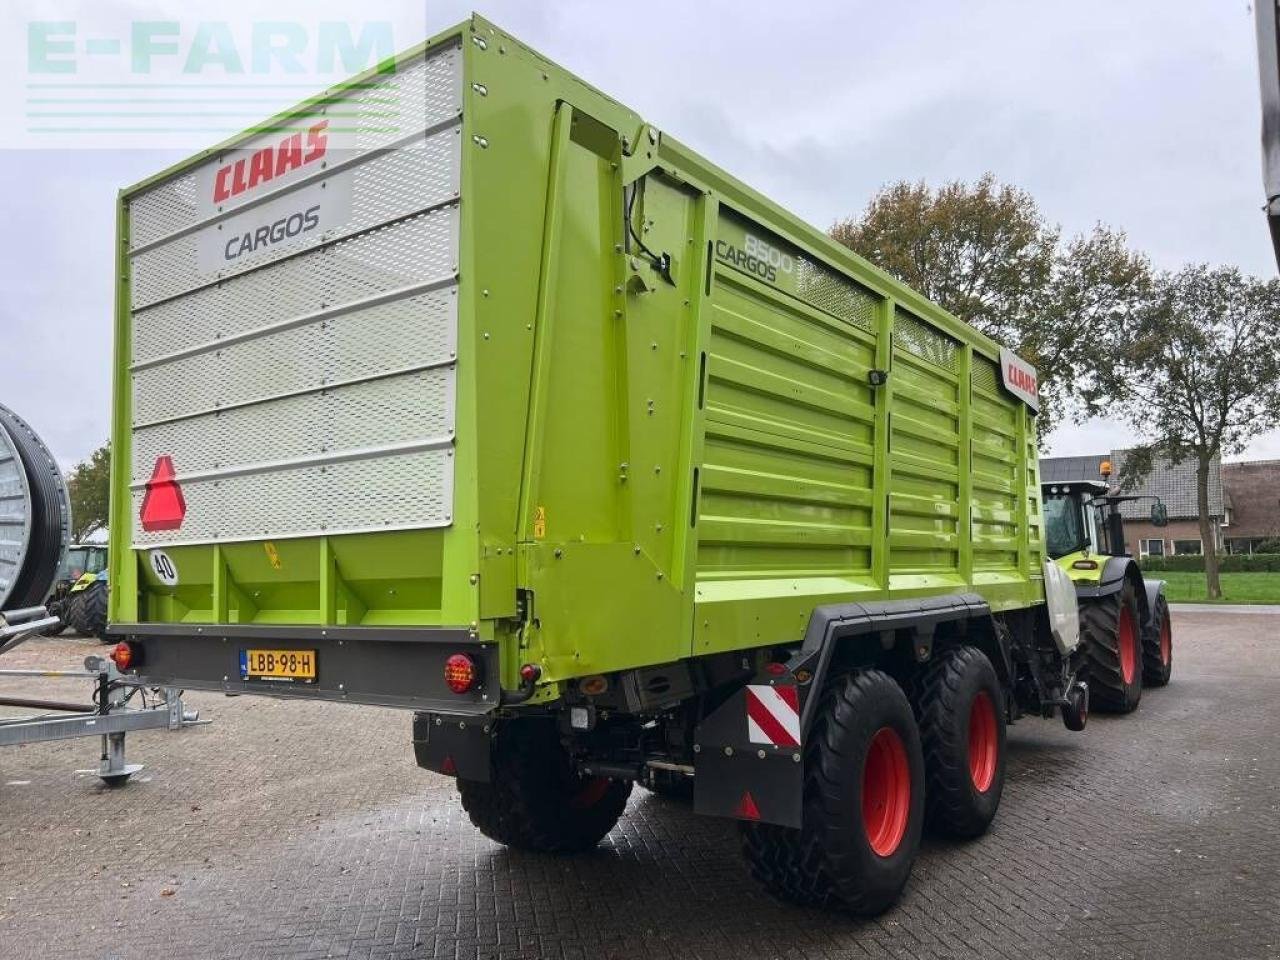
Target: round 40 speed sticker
point(165, 570)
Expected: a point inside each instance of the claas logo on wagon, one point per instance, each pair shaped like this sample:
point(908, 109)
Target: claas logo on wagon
point(270, 163)
point(1022, 379)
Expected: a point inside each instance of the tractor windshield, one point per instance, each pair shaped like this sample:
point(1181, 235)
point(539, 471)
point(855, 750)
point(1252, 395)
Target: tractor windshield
point(1064, 526)
point(73, 563)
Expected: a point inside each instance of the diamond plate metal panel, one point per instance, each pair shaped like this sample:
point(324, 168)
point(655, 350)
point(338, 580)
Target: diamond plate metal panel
point(922, 340)
point(386, 492)
point(371, 264)
point(834, 293)
point(361, 344)
point(430, 89)
point(985, 374)
point(384, 188)
point(312, 389)
point(378, 413)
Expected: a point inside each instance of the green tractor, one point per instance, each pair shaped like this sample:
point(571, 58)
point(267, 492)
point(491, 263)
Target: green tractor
point(79, 597)
point(1124, 618)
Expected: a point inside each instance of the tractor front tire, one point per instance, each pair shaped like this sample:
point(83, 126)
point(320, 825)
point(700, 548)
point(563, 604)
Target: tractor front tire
point(1111, 632)
point(536, 800)
point(1157, 647)
point(960, 710)
point(57, 608)
point(863, 804)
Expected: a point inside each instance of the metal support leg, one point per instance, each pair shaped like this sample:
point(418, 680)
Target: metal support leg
point(110, 718)
point(113, 770)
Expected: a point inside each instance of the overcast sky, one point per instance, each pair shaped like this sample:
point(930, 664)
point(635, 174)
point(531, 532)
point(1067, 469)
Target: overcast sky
point(1143, 115)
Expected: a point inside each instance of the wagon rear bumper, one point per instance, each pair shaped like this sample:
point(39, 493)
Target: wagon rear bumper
point(381, 666)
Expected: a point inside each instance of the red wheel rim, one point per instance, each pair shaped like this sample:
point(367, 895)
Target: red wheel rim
point(1166, 643)
point(886, 792)
point(591, 793)
point(984, 746)
point(1127, 639)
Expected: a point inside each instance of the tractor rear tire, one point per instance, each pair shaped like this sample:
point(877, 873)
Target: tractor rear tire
point(536, 800)
point(87, 611)
point(1110, 630)
point(960, 709)
point(863, 804)
point(1157, 647)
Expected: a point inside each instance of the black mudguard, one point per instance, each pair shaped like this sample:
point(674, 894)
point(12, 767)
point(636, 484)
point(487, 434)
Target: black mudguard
point(457, 746)
point(1114, 574)
point(754, 772)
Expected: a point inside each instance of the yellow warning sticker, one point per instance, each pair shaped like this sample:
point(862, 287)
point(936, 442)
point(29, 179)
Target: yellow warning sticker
point(272, 555)
point(539, 522)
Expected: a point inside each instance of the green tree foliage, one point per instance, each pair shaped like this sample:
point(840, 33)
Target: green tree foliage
point(985, 253)
point(89, 486)
point(1196, 373)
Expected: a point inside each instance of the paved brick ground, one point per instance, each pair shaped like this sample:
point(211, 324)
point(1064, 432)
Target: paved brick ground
point(304, 830)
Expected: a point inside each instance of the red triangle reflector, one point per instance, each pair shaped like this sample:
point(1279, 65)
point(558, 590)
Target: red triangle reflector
point(449, 768)
point(163, 506)
point(747, 809)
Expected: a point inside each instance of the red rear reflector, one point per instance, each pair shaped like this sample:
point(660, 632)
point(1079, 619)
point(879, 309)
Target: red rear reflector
point(530, 672)
point(163, 505)
point(460, 673)
point(449, 768)
point(747, 809)
point(775, 669)
point(122, 655)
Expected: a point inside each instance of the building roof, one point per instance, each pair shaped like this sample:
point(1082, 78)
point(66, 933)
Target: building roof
point(1252, 491)
point(1059, 469)
point(1174, 484)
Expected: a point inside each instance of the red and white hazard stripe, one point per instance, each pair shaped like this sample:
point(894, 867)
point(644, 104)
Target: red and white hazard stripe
point(773, 715)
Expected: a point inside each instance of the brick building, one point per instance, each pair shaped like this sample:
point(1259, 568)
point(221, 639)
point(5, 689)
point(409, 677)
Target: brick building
point(1252, 500)
point(1174, 484)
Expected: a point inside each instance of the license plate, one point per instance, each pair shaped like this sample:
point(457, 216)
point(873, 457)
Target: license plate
point(289, 666)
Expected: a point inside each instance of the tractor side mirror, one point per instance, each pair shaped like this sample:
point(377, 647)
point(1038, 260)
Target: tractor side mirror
point(1159, 514)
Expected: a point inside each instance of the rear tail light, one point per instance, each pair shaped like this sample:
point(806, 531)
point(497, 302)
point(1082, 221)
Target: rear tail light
point(122, 656)
point(460, 673)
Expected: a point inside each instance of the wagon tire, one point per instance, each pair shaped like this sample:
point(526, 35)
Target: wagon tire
point(863, 808)
point(535, 799)
point(960, 710)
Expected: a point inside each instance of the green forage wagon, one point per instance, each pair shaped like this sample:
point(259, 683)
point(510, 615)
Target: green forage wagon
point(463, 388)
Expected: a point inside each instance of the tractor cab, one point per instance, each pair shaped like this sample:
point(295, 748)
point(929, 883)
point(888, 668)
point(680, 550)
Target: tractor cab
point(1083, 517)
point(81, 558)
point(1073, 521)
